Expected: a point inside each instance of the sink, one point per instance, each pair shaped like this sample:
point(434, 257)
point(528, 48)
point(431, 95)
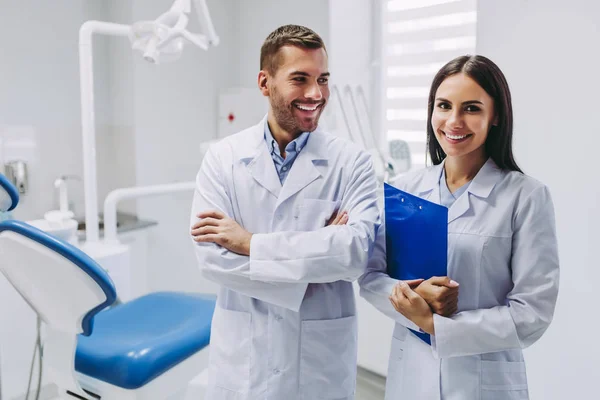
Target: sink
point(63, 231)
point(81, 225)
point(125, 223)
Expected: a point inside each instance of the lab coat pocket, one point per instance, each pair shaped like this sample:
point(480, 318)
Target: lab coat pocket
point(328, 359)
point(313, 214)
point(393, 385)
point(503, 380)
point(230, 342)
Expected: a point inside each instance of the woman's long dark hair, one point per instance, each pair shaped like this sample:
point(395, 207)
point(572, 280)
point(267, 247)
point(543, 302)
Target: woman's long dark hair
point(482, 70)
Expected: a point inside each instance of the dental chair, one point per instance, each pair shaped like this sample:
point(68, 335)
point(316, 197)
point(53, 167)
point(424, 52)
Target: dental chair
point(148, 348)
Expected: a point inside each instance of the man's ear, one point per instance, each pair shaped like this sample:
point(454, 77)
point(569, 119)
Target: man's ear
point(263, 78)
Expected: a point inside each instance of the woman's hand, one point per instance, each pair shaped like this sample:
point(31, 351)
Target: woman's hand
point(441, 293)
point(412, 306)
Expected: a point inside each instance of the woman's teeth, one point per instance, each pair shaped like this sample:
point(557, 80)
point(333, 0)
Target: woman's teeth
point(455, 137)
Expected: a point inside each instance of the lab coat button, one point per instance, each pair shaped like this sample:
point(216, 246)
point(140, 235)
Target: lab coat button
point(276, 371)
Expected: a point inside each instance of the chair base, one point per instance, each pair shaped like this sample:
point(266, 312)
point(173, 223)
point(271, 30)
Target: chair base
point(195, 391)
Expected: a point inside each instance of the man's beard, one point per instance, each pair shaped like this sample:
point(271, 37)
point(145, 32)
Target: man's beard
point(284, 115)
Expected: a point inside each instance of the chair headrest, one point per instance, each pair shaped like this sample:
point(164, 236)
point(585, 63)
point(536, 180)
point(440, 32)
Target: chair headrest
point(9, 196)
point(71, 256)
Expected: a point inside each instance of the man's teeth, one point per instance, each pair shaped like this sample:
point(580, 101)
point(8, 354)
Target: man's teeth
point(307, 108)
point(455, 137)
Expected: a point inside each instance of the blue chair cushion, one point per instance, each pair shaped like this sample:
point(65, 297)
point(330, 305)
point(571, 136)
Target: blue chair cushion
point(135, 342)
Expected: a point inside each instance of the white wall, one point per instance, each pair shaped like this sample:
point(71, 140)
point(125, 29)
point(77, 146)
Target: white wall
point(258, 18)
point(350, 41)
point(39, 90)
point(548, 50)
point(117, 161)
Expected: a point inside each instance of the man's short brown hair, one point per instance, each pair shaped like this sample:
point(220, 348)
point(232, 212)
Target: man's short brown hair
point(287, 35)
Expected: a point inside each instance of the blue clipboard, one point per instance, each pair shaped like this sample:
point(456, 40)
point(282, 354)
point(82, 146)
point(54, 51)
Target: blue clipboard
point(416, 238)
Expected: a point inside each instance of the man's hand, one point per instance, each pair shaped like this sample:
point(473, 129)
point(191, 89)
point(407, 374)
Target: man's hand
point(412, 306)
point(338, 219)
point(216, 227)
point(441, 293)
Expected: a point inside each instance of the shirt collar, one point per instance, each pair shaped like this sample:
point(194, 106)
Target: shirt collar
point(446, 190)
point(295, 145)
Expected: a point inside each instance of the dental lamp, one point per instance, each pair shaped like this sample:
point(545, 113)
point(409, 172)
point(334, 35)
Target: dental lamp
point(161, 40)
point(165, 36)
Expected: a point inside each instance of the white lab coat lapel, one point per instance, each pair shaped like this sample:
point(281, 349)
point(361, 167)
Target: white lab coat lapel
point(460, 206)
point(260, 163)
point(428, 189)
point(481, 186)
point(303, 170)
point(262, 168)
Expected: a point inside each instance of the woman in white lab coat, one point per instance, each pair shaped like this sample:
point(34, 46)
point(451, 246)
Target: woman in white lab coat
point(502, 250)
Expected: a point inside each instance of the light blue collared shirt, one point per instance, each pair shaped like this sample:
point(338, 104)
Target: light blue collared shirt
point(446, 197)
point(283, 165)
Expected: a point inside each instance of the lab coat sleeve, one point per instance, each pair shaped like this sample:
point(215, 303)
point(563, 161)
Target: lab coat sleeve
point(222, 266)
point(531, 302)
point(329, 254)
point(376, 285)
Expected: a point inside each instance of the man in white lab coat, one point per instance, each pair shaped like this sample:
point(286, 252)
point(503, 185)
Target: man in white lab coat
point(284, 219)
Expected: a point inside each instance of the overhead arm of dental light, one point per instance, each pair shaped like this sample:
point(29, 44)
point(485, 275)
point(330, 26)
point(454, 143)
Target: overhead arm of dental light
point(163, 39)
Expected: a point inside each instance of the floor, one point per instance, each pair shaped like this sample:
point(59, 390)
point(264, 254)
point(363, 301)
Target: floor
point(369, 386)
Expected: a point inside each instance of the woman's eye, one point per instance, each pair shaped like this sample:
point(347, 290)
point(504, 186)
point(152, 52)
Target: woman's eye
point(444, 106)
point(472, 109)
